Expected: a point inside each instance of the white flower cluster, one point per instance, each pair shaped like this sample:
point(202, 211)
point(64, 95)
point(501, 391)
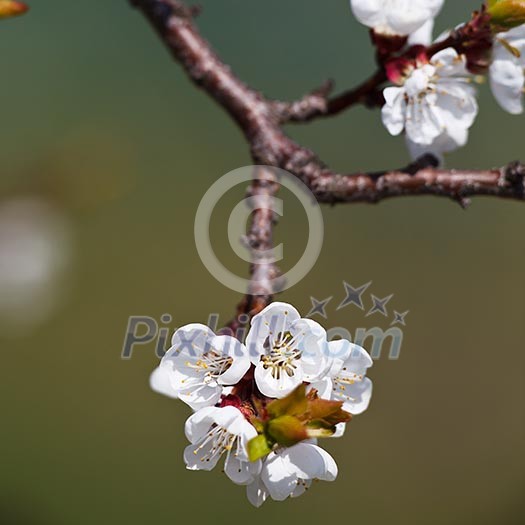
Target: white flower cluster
point(225, 382)
point(434, 102)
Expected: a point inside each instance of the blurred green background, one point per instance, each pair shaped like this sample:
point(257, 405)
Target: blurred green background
point(100, 124)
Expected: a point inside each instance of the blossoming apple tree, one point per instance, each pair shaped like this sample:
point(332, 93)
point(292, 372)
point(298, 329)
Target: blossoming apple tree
point(262, 402)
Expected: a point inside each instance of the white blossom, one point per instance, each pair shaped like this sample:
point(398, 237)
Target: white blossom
point(198, 366)
point(395, 17)
point(215, 432)
point(289, 472)
point(346, 380)
point(435, 105)
point(507, 71)
point(285, 349)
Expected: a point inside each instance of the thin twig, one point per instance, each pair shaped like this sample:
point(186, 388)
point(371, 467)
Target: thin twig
point(264, 273)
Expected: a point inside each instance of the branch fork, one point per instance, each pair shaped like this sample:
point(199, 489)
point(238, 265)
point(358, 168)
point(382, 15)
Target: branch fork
point(261, 120)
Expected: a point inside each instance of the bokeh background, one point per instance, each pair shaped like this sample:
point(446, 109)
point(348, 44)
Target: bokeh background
point(105, 152)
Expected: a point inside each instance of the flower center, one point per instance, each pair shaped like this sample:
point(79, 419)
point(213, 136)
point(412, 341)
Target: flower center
point(217, 442)
point(419, 81)
point(212, 364)
point(281, 355)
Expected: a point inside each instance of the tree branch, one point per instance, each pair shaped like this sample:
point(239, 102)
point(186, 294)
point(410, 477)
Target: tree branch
point(261, 121)
point(263, 272)
point(459, 185)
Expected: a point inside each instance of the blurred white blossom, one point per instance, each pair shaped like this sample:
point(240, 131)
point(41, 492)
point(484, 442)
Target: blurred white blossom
point(507, 72)
point(35, 252)
point(395, 17)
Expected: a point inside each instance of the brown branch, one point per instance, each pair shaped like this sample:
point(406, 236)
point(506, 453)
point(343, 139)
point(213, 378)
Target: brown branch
point(264, 273)
point(261, 120)
point(318, 104)
point(459, 185)
point(312, 105)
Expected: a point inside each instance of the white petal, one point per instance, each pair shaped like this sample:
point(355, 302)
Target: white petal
point(198, 424)
point(301, 488)
point(448, 141)
point(454, 138)
point(275, 475)
point(423, 121)
point(193, 376)
point(233, 348)
point(229, 418)
point(311, 342)
point(358, 361)
point(189, 343)
point(340, 350)
point(400, 17)
point(239, 426)
point(310, 462)
point(279, 386)
point(339, 430)
point(276, 310)
point(368, 12)
point(236, 371)
point(160, 382)
point(203, 454)
point(200, 457)
point(198, 397)
point(515, 37)
point(449, 64)
point(232, 419)
point(343, 353)
point(456, 104)
point(423, 35)
point(507, 80)
point(406, 17)
point(227, 346)
point(242, 472)
point(194, 334)
point(393, 112)
point(507, 72)
point(356, 397)
point(257, 493)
